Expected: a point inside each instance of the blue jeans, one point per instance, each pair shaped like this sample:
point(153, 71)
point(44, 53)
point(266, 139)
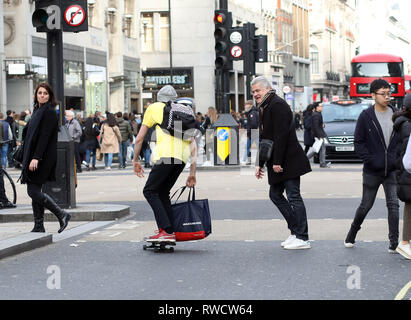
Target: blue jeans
point(370, 186)
point(122, 154)
point(292, 208)
point(147, 155)
point(250, 141)
point(88, 152)
point(108, 159)
point(4, 150)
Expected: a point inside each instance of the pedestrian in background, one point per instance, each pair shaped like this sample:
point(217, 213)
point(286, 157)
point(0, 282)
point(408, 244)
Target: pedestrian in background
point(126, 139)
point(307, 121)
point(40, 157)
point(402, 126)
point(286, 164)
point(75, 132)
point(110, 141)
point(207, 127)
point(252, 129)
point(317, 132)
point(6, 135)
point(13, 138)
point(91, 132)
point(172, 154)
point(375, 143)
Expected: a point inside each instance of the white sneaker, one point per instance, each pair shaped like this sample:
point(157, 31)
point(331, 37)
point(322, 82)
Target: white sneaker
point(297, 244)
point(404, 250)
point(288, 240)
point(348, 245)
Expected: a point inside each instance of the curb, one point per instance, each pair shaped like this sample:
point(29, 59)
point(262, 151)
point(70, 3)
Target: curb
point(88, 212)
point(24, 242)
point(95, 213)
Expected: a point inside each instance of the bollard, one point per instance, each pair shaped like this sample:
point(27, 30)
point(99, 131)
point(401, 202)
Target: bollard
point(226, 141)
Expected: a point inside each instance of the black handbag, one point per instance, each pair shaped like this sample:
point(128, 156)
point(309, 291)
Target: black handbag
point(18, 154)
point(265, 149)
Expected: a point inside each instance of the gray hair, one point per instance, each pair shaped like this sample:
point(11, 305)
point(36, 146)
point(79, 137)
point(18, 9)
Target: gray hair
point(263, 81)
point(70, 113)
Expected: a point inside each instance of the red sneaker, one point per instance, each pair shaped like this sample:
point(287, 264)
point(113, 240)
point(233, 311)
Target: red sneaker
point(162, 235)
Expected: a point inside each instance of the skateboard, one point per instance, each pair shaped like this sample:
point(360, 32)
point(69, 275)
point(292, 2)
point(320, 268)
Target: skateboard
point(160, 246)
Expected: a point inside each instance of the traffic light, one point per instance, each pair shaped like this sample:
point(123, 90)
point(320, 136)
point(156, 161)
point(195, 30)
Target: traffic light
point(65, 15)
point(261, 47)
point(74, 15)
point(223, 21)
point(47, 16)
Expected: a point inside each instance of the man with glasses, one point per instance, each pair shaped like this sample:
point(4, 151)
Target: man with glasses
point(375, 143)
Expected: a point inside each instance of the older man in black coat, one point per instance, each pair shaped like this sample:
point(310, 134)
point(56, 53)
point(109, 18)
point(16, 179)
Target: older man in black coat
point(287, 163)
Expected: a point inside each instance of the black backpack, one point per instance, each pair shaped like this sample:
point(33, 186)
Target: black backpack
point(179, 120)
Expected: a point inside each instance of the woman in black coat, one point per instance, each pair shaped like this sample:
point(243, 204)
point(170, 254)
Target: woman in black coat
point(402, 125)
point(40, 157)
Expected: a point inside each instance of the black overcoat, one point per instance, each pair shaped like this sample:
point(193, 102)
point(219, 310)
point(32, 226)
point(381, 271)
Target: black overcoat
point(278, 125)
point(40, 142)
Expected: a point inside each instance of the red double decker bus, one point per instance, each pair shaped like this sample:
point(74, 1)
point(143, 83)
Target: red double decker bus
point(368, 67)
point(407, 84)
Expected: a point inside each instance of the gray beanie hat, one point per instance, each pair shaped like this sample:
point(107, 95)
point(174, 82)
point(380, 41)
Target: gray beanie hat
point(166, 94)
point(407, 101)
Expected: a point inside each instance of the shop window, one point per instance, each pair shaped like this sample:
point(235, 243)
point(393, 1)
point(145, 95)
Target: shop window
point(96, 88)
point(73, 74)
point(39, 65)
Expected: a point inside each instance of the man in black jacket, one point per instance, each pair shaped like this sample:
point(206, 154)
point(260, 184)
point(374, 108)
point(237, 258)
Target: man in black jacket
point(318, 133)
point(287, 163)
point(375, 143)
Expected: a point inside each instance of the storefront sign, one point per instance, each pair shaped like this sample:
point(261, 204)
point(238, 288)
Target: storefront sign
point(181, 78)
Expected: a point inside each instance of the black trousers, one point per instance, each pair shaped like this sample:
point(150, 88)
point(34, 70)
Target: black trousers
point(162, 178)
point(35, 193)
point(292, 208)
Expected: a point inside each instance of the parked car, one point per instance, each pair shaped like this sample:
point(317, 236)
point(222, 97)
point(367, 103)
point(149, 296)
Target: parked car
point(340, 118)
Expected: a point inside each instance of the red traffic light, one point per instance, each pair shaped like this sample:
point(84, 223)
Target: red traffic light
point(219, 18)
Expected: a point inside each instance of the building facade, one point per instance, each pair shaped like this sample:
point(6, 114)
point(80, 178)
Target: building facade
point(301, 91)
point(101, 66)
point(184, 54)
point(385, 22)
point(333, 43)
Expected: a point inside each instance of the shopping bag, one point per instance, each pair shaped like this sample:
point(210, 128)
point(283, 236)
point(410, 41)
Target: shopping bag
point(191, 219)
point(315, 147)
point(99, 155)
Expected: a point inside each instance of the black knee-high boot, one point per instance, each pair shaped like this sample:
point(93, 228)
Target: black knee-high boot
point(38, 213)
point(62, 216)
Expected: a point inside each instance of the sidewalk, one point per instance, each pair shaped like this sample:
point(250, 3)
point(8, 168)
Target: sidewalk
point(16, 224)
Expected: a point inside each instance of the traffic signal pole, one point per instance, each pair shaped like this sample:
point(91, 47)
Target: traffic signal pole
point(55, 73)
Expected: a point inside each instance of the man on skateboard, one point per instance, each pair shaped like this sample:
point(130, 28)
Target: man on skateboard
point(172, 154)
